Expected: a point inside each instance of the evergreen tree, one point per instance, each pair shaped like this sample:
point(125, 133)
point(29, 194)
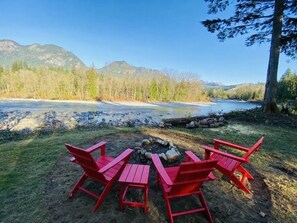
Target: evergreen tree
point(287, 87)
point(273, 21)
point(91, 82)
point(154, 90)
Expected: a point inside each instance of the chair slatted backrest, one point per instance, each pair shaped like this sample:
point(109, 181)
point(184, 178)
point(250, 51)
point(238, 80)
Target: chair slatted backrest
point(191, 175)
point(254, 148)
point(86, 161)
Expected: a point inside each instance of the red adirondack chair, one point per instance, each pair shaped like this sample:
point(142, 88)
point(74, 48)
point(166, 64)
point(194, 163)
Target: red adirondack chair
point(228, 163)
point(105, 170)
point(184, 180)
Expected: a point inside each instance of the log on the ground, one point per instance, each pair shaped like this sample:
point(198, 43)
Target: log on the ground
point(182, 121)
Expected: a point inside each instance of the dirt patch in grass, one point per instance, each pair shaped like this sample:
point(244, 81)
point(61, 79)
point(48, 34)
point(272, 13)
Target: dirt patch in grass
point(226, 202)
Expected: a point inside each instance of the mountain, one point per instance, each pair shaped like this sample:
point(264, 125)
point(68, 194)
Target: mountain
point(122, 67)
point(216, 85)
point(35, 55)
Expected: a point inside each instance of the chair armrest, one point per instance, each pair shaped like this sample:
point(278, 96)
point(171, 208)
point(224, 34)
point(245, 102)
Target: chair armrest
point(100, 145)
point(161, 170)
point(115, 161)
point(191, 157)
point(221, 142)
point(208, 149)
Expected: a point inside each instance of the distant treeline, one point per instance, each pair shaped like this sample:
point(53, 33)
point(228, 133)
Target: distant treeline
point(21, 81)
point(286, 90)
point(246, 92)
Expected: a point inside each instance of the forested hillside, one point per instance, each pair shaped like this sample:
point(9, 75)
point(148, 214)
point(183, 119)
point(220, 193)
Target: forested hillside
point(21, 81)
point(122, 67)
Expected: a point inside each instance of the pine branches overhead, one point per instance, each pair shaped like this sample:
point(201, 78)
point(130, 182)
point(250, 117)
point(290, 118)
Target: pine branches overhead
point(254, 19)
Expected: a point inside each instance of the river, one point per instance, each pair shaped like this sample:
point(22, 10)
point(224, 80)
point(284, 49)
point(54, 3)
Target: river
point(165, 110)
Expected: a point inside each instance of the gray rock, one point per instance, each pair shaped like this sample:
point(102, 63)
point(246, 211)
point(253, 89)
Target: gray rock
point(190, 125)
point(196, 123)
point(163, 156)
point(174, 148)
point(203, 122)
point(145, 142)
point(142, 151)
point(221, 119)
point(162, 125)
point(152, 140)
point(172, 155)
point(26, 123)
point(162, 142)
point(262, 214)
point(148, 155)
point(207, 121)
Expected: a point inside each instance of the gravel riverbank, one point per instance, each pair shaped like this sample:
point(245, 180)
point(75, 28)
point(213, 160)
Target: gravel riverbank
point(28, 122)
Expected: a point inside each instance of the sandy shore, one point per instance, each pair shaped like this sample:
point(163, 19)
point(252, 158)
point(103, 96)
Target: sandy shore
point(48, 100)
point(130, 103)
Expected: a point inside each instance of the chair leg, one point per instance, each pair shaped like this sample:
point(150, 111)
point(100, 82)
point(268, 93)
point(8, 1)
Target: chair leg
point(204, 204)
point(169, 211)
point(81, 181)
point(122, 188)
point(239, 184)
point(102, 196)
point(245, 173)
point(145, 198)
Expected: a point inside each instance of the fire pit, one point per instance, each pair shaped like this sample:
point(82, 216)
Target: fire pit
point(166, 150)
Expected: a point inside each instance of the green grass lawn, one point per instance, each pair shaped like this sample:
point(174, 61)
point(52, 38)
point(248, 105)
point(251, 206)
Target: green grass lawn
point(26, 163)
point(24, 167)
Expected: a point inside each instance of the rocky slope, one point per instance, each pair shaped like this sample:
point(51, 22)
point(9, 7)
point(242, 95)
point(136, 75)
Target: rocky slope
point(36, 55)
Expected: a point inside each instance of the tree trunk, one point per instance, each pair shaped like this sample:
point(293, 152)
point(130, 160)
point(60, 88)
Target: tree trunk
point(271, 81)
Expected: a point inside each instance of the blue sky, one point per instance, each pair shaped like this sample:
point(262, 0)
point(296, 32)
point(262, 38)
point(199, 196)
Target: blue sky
point(157, 34)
